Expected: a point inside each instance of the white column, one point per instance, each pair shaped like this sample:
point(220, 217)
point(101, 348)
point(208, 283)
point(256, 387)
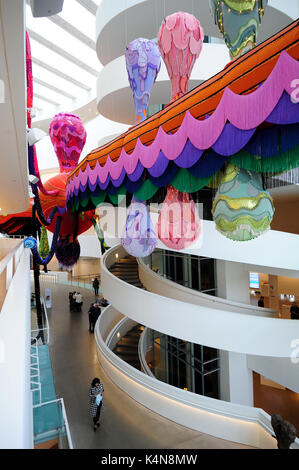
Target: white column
point(236, 384)
point(233, 281)
point(273, 287)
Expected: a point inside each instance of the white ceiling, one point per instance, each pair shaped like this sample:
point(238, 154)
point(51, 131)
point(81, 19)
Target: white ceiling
point(64, 62)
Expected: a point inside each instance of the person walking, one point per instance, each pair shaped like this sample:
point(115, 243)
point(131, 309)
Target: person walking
point(95, 285)
point(96, 392)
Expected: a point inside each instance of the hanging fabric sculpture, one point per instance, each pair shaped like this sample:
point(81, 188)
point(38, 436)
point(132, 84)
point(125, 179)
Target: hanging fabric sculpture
point(29, 80)
point(138, 237)
point(238, 22)
point(180, 39)
point(242, 209)
point(43, 243)
point(143, 61)
point(68, 137)
point(178, 224)
point(100, 233)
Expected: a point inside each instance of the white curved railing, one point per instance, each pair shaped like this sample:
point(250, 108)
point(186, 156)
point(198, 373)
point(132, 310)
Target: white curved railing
point(226, 420)
point(130, 19)
point(217, 328)
point(143, 348)
point(159, 285)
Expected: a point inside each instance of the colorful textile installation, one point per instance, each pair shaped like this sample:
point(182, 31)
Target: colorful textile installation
point(29, 80)
point(139, 238)
point(43, 243)
point(178, 224)
point(199, 147)
point(69, 221)
point(68, 138)
point(180, 39)
point(100, 233)
point(247, 114)
point(143, 61)
point(242, 208)
point(238, 21)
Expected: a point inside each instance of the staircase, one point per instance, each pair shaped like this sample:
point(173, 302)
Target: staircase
point(127, 347)
point(127, 270)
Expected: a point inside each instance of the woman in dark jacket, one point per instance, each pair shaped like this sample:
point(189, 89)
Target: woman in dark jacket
point(96, 388)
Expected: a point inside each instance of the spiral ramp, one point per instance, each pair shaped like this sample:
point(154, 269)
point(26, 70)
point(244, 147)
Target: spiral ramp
point(165, 306)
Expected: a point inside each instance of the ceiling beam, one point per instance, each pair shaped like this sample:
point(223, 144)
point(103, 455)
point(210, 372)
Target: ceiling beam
point(61, 52)
point(60, 74)
point(89, 5)
point(69, 28)
point(48, 100)
point(54, 88)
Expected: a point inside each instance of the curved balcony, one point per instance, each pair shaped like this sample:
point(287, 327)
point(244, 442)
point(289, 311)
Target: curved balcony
point(225, 420)
point(125, 21)
point(221, 325)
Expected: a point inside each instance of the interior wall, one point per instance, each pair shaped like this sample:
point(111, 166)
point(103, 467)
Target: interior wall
point(86, 266)
point(286, 285)
point(286, 215)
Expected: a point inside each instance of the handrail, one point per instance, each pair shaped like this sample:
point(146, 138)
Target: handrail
point(65, 420)
point(87, 275)
point(141, 355)
point(222, 419)
point(4, 262)
point(47, 328)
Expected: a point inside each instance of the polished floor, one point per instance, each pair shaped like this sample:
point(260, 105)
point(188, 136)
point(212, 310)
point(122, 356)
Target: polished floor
point(124, 423)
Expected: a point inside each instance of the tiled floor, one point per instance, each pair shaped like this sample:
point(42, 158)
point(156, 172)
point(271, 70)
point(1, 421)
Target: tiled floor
point(124, 423)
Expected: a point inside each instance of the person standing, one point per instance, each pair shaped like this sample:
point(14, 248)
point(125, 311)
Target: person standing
point(79, 301)
point(90, 317)
point(96, 392)
point(95, 285)
point(261, 302)
point(294, 311)
point(94, 313)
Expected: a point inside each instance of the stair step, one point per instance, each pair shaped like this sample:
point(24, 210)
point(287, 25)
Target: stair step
point(125, 265)
point(125, 347)
point(124, 268)
point(127, 261)
point(125, 273)
point(138, 328)
point(129, 338)
point(128, 357)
